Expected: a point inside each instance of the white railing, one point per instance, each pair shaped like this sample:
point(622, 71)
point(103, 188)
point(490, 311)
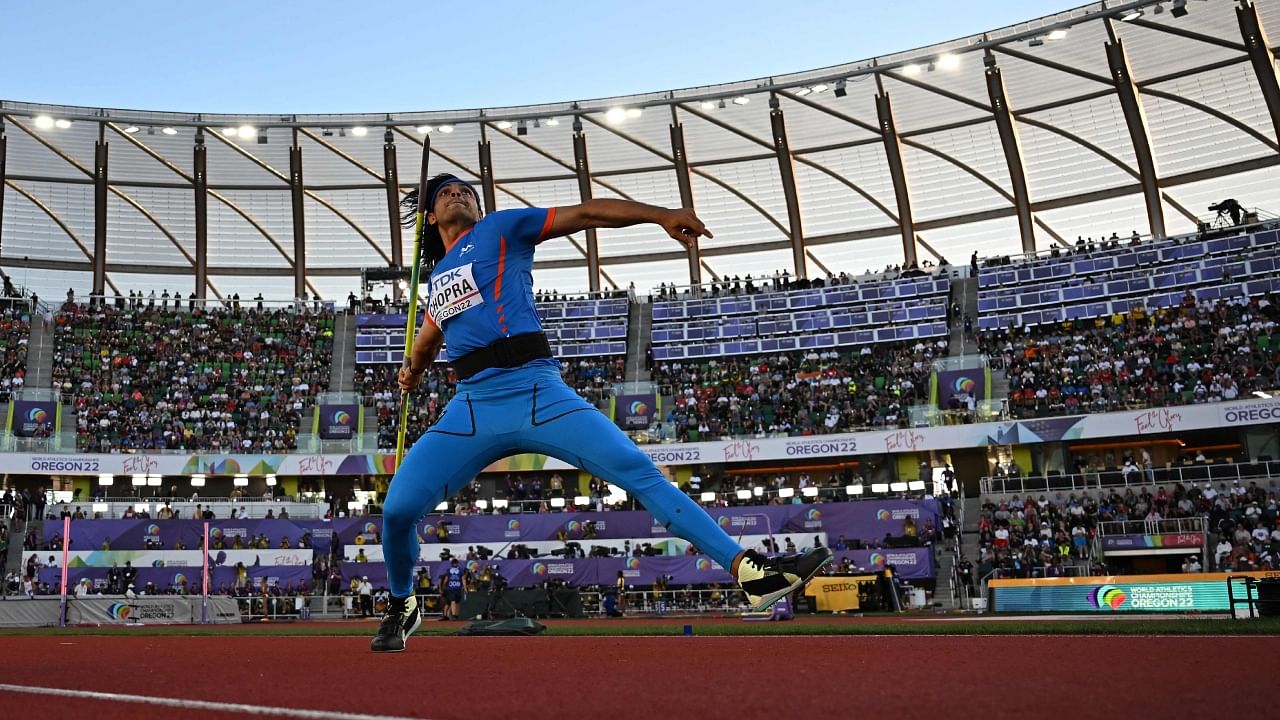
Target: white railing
point(1108, 479)
point(1152, 527)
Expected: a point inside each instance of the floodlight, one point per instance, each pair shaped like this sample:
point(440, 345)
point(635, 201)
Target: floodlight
point(786, 492)
point(615, 115)
point(708, 496)
point(169, 131)
point(106, 480)
point(360, 131)
point(879, 487)
point(898, 487)
point(809, 491)
point(504, 124)
point(557, 502)
point(197, 480)
point(741, 100)
point(744, 494)
point(246, 132)
point(582, 500)
point(853, 489)
point(44, 122)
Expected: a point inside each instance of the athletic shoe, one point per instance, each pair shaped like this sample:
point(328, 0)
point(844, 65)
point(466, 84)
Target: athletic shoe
point(398, 624)
point(767, 580)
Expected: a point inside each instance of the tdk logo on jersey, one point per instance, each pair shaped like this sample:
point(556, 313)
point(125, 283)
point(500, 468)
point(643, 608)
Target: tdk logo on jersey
point(467, 248)
point(453, 291)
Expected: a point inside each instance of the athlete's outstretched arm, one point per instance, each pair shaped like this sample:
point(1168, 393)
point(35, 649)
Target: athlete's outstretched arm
point(680, 223)
point(426, 345)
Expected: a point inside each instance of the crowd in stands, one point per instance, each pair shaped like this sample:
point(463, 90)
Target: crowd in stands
point(1193, 353)
point(593, 378)
point(800, 393)
point(149, 376)
point(1043, 536)
point(15, 330)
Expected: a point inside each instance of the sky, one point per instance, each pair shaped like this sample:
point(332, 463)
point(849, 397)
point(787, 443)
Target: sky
point(324, 56)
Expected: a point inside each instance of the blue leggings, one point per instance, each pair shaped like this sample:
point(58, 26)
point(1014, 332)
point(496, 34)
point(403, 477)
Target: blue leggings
point(528, 409)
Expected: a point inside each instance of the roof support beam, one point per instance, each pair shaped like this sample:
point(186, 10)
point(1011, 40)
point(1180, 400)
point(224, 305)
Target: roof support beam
point(1012, 146)
point(685, 183)
point(201, 177)
point(1264, 61)
point(487, 187)
point(1136, 119)
point(4, 147)
point(391, 174)
point(786, 168)
point(583, 168)
point(299, 223)
point(100, 215)
point(898, 173)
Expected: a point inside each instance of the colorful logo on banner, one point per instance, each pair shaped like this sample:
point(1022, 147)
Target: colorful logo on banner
point(370, 528)
point(633, 564)
point(153, 529)
point(573, 526)
point(473, 566)
point(953, 388)
point(1108, 597)
point(814, 515)
point(338, 422)
point(119, 611)
point(538, 569)
point(635, 412)
point(179, 580)
point(703, 564)
point(876, 559)
point(723, 520)
point(513, 524)
point(882, 514)
point(31, 417)
point(964, 385)
point(215, 533)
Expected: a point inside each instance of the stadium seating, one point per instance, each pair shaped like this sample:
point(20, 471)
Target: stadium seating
point(15, 327)
point(1199, 351)
point(798, 393)
point(1111, 279)
point(221, 379)
point(843, 315)
point(575, 328)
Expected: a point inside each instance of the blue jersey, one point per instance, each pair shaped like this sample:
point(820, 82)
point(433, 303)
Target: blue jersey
point(453, 578)
point(482, 290)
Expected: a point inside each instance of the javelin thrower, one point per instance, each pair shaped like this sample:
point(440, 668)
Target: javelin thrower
point(510, 396)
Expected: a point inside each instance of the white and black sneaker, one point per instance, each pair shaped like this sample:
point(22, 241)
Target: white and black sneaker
point(398, 624)
point(767, 580)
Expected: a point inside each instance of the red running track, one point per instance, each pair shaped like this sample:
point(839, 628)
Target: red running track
point(654, 678)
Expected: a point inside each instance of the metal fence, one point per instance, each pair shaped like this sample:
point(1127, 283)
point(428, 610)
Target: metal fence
point(1152, 527)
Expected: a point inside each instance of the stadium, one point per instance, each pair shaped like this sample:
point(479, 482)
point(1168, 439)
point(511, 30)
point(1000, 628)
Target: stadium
point(992, 323)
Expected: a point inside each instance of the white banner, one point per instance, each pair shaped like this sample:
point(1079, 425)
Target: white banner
point(186, 558)
point(1237, 413)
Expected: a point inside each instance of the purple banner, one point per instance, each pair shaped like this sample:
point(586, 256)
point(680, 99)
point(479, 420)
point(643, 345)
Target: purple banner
point(955, 387)
point(338, 421)
point(635, 412)
point(911, 564)
point(33, 418)
point(864, 520)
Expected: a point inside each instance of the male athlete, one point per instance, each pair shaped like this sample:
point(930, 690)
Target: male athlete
point(510, 396)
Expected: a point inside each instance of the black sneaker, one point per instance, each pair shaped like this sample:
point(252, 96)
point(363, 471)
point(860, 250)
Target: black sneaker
point(767, 580)
point(398, 624)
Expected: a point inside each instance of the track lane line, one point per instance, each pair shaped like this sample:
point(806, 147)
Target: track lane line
point(264, 710)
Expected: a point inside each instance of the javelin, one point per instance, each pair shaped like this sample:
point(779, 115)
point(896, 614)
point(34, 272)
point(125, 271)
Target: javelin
point(411, 324)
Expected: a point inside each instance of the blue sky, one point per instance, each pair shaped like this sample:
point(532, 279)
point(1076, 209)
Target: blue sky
point(276, 56)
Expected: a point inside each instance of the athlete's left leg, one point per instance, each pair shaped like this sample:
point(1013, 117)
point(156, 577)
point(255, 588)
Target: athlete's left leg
point(566, 426)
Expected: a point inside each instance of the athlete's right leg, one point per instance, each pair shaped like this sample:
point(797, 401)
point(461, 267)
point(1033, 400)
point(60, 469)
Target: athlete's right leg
point(444, 459)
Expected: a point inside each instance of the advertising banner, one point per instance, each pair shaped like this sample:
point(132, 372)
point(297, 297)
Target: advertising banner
point(1236, 413)
point(33, 418)
point(953, 388)
point(1188, 541)
point(1198, 592)
point(134, 534)
point(635, 412)
point(221, 579)
point(837, 594)
point(337, 421)
point(117, 610)
point(186, 558)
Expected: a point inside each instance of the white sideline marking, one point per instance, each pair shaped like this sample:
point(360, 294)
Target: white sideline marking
point(195, 704)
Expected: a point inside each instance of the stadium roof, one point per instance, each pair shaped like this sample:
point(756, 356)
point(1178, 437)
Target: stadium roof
point(1073, 130)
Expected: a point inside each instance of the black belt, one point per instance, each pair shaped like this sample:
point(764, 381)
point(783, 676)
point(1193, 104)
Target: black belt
point(506, 353)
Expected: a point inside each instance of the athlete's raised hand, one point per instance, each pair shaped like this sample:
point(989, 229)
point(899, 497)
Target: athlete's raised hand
point(683, 225)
